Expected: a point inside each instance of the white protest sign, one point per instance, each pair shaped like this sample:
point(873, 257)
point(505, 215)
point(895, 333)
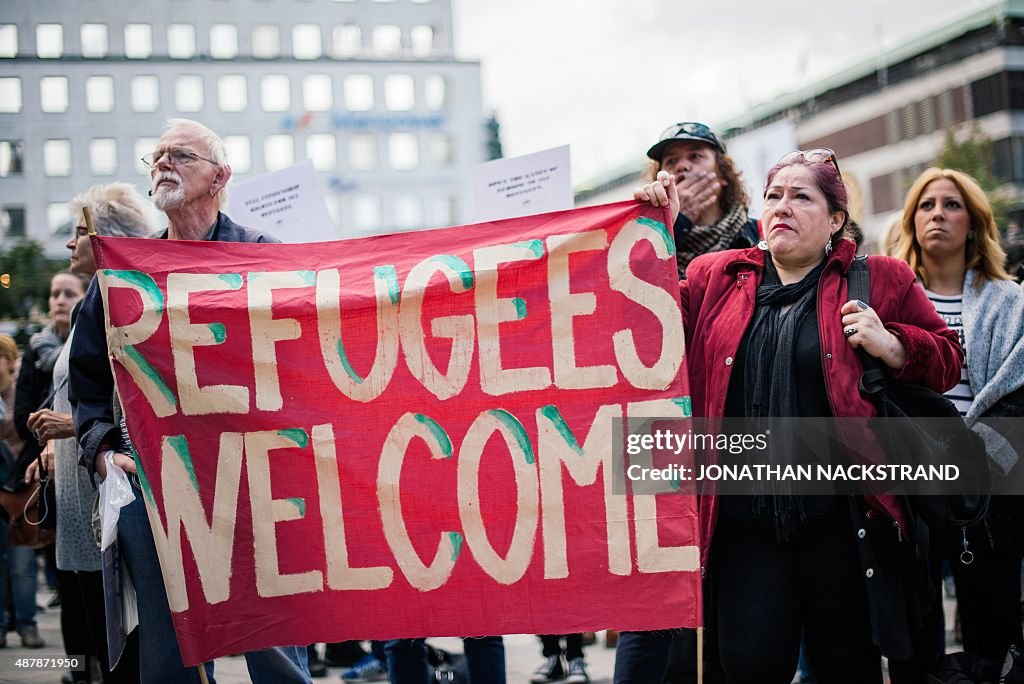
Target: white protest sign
point(288, 204)
point(521, 186)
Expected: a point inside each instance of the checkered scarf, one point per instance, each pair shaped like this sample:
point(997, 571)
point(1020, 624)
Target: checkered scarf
point(714, 238)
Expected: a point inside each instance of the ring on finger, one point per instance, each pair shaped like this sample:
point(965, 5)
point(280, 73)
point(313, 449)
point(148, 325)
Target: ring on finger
point(850, 331)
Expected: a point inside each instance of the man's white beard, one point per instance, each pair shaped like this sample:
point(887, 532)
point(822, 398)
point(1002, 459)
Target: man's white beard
point(169, 199)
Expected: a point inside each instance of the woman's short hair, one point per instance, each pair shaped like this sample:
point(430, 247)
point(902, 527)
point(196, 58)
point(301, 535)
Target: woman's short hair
point(983, 252)
point(8, 348)
point(117, 210)
point(733, 195)
point(828, 181)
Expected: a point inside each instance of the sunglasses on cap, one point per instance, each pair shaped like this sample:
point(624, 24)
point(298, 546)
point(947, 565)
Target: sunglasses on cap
point(819, 155)
point(687, 130)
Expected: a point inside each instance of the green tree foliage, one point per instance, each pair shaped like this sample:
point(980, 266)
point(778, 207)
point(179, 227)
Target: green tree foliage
point(971, 153)
point(28, 274)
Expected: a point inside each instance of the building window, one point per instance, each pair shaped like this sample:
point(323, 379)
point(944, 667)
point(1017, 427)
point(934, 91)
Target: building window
point(321, 149)
point(49, 41)
point(365, 211)
point(94, 40)
point(362, 152)
point(12, 221)
point(231, 93)
point(138, 41)
point(408, 212)
point(181, 41)
point(278, 152)
point(346, 40)
point(266, 42)
point(58, 218)
point(399, 92)
point(275, 93)
point(434, 92)
point(422, 39)
point(8, 40)
point(945, 107)
point(387, 39)
point(57, 157)
point(10, 95)
point(143, 146)
point(12, 158)
point(145, 94)
point(53, 94)
point(103, 156)
point(99, 93)
point(306, 41)
point(403, 151)
point(359, 93)
point(188, 93)
point(316, 92)
point(441, 148)
point(239, 155)
point(223, 41)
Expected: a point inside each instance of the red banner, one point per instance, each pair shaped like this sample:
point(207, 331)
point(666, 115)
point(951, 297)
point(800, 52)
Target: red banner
point(405, 435)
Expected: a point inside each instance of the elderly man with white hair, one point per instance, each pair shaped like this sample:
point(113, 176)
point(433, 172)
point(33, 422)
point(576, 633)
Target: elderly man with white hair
point(188, 172)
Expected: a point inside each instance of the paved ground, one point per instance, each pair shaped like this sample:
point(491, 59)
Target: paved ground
point(522, 655)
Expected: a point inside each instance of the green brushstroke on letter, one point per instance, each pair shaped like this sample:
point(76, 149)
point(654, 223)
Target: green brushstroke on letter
point(520, 305)
point(456, 540)
point(180, 446)
point(510, 421)
point(685, 404)
point(308, 277)
point(457, 265)
point(151, 373)
point(535, 246)
point(233, 280)
point(552, 413)
point(390, 276)
point(299, 503)
point(143, 280)
point(670, 244)
point(146, 489)
point(438, 432)
point(356, 378)
point(297, 435)
point(219, 333)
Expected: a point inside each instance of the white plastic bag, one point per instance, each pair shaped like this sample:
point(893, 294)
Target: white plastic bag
point(115, 492)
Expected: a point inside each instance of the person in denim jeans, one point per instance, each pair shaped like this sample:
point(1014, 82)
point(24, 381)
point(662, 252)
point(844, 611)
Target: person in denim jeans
point(407, 661)
point(19, 562)
point(188, 171)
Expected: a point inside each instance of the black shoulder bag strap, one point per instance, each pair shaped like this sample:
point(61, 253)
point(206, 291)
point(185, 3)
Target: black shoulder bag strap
point(858, 280)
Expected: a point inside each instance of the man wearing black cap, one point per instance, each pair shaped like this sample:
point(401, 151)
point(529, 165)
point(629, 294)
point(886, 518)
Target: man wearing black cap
point(713, 202)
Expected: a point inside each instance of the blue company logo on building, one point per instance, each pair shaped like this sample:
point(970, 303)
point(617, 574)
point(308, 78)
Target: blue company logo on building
point(349, 121)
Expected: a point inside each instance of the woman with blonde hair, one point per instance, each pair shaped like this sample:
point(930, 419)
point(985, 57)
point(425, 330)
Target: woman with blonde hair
point(950, 239)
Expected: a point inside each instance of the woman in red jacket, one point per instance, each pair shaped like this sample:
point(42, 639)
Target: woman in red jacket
point(771, 332)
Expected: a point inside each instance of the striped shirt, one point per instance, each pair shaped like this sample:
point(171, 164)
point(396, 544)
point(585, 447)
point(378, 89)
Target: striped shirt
point(951, 308)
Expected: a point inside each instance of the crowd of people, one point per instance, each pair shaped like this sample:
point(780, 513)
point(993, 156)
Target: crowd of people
point(832, 583)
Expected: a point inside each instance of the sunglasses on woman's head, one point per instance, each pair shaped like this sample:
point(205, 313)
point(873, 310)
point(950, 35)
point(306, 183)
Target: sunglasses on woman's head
point(819, 155)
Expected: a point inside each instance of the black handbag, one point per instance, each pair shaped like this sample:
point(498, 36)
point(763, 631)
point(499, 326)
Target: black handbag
point(931, 432)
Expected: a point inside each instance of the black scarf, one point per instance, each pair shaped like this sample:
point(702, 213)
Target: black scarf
point(769, 382)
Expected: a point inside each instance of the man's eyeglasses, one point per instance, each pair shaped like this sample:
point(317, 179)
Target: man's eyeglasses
point(175, 157)
point(819, 155)
point(81, 231)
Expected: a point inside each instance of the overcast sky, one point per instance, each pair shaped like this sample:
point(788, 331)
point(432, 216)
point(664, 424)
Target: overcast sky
point(607, 76)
